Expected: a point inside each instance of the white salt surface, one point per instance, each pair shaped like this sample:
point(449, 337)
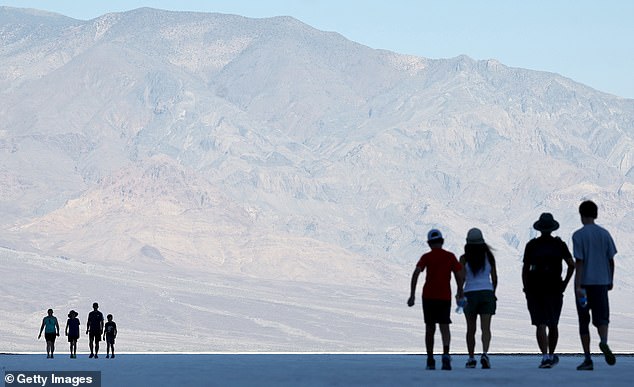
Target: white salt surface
point(323, 370)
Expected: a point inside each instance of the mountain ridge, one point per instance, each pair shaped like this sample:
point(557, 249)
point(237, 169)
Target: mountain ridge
point(292, 120)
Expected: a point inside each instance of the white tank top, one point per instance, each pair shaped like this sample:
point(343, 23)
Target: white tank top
point(479, 281)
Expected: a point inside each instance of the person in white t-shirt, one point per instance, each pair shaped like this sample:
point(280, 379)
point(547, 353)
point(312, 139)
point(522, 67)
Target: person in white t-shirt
point(594, 251)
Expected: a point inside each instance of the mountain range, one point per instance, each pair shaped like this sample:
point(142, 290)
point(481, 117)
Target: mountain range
point(163, 142)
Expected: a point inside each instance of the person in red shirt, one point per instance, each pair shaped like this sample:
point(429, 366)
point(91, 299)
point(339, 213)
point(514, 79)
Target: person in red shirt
point(439, 264)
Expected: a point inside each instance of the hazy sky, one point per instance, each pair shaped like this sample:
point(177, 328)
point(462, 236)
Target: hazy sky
point(590, 41)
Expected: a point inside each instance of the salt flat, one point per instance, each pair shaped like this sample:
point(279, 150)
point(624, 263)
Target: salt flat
point(323, 370)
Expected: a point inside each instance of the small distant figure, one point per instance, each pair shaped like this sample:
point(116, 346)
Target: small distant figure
point(110, 333)
point(543, 286)
point(51, 331)
point(436, 296)
point(72, 331)
point(594, 251)
point(94, 328)
point(481, 281)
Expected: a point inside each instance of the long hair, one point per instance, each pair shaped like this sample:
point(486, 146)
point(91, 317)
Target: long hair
point(475, 254)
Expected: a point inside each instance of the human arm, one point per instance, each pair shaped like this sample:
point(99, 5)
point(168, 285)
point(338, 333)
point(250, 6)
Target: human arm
point(57, 327)
point(41, 329)
point(460, 278)
point(494, 274)
point(571, 269)
point(611, 286)
point(414, 282)
point(525, 267)
point(66, 329)
point(578, 276)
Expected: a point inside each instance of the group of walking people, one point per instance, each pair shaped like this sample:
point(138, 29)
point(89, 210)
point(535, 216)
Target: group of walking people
point(476, 278)
point(95, 328)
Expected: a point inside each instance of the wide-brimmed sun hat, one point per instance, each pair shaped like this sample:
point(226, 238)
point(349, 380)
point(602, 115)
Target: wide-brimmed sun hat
point(546, 222)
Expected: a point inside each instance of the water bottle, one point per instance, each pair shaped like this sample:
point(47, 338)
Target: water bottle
point(583, 300)
point(461, 304)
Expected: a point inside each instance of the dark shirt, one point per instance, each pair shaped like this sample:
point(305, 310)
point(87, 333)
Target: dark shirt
point(110, 328)
point(73, 327)
point(94, 321)
point(543, 258)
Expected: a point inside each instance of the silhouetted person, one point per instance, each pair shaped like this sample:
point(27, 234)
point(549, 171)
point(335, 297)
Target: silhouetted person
point(110, 333)
point(594, 251)
point(51, 331)
point(72, 331)
point(480, 274)
point(94, 330)
point(543, 286)
point(439, 264)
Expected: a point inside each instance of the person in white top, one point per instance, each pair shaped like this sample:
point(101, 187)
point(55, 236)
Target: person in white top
point(478, 265)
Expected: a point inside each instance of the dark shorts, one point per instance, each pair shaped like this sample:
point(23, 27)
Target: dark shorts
point(50, 336)
point(94, 336)
point(110, 339)
point(598, 304)
point(544, 308)
point(72, 338)
point(480, 302)
point(436, 311)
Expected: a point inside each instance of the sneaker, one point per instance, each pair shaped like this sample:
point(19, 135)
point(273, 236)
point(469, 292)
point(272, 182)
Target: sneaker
point(431, 363)
point(587, 365)
point(107, 356)
point(609, 356)
point(471, 363)
point(546, 363)
point(446, 362)
point(486, 363)
point(112, 357)
point(554, 360)
point(91, 356)
point(96, 356)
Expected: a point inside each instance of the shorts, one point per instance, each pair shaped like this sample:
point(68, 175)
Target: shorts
point(50, 336)
point(94, 336)
point(110, 339)
point(72, 338)
point(480, 302)
point(436, 311)
point(544, 308)
point(598, 303)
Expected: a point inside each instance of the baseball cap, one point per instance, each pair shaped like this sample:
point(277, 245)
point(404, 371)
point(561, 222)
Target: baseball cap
point(433, 235)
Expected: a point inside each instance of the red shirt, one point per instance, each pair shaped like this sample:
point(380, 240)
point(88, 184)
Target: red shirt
point(439, 264)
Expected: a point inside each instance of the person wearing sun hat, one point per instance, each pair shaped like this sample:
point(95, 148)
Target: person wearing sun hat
point(543, 286)
point(439, 264)
point(72, 331)
point(480, 274)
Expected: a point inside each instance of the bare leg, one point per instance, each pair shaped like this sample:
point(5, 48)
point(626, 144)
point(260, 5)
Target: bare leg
point(553, 338)
point(603, 333)
point(485, 325)
point(542, 339)
point(446, 337)
point(585, 343)
point(430, 331)
point(471, 331)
